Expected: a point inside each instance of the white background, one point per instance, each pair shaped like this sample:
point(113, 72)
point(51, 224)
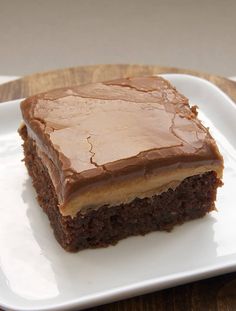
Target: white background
point(42, 35)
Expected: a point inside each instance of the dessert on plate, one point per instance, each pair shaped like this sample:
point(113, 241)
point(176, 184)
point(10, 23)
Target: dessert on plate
point(119, 158)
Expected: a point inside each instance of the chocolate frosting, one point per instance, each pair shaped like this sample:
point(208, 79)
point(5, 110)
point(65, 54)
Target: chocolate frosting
point(103, 132)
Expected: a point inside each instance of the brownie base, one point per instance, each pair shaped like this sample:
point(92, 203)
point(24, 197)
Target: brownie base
point(192, 199)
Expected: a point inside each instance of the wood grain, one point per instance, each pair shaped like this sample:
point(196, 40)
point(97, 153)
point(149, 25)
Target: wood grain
point(41, 82)
point(215, 294)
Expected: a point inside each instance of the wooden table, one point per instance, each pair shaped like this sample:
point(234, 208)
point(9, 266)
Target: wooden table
point(217, 293)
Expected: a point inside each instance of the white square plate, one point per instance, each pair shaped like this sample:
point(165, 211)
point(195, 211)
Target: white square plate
point(37, 274)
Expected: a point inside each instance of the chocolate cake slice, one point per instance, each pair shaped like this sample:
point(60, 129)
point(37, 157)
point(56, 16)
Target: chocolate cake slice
point(119, 158)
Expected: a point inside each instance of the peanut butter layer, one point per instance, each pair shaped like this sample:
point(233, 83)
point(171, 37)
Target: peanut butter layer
point(107, 143)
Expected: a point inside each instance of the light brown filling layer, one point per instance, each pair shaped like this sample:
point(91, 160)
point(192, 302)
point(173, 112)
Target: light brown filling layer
point(127, 191)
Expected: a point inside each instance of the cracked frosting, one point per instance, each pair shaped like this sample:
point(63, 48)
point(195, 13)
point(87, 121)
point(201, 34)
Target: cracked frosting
point(109, 142)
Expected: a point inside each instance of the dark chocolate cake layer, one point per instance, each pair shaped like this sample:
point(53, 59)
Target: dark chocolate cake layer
point(193, 198)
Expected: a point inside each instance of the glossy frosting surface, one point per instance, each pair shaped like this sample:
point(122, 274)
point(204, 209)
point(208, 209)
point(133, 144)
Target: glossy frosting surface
point(99, 134)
